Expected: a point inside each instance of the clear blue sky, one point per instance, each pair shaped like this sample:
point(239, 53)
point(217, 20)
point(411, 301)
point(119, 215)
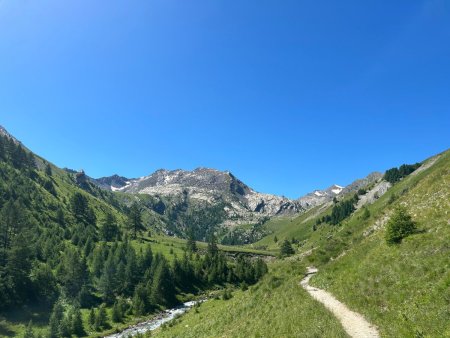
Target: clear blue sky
point(288, 95)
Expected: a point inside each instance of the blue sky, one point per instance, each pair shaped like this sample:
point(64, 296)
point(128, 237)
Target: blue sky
point(288, 95)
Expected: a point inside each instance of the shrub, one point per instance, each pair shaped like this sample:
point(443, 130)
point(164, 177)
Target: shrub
point(227, 294)
point(399, 226)
point(286, 249)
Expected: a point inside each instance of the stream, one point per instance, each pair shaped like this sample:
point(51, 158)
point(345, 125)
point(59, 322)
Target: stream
point(154, 323)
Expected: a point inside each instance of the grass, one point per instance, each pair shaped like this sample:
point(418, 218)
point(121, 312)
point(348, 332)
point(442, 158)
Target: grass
point(275, 307)
point(172, 247)
point(299, 228)
point(403, 289)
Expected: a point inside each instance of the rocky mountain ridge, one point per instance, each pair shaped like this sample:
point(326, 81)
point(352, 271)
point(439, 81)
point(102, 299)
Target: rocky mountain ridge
point(206, 186)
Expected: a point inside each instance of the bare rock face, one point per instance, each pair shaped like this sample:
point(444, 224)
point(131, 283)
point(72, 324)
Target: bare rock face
point(210, 186)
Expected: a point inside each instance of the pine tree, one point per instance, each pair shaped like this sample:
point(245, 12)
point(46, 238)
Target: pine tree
point(88, 246)
point(191, 244)
point(140, 300)
point(44, 284)
point(91, 318)
point(162, 288)
point(81, 210)
point(131, 271)
point(286, 249)
point(260, 268)
point(146, 260)
point(72, 272)
point(55, 320)
point(18, 266)
point(109, 228)
point(135, 219)
point(48, 170)
point(60, 218)
point(65, 329)
point(14, 220)
point(77, 323)
point(399, 226)
point(2, 148)
point(29, 332)
point(212, 246)
point(98, 260)
point(123, 306)
point(116, 314)
point(107, 283)
point(101, 319)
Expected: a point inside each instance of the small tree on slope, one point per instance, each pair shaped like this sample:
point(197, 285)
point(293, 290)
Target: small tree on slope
point(399, 226)
point(286, 249)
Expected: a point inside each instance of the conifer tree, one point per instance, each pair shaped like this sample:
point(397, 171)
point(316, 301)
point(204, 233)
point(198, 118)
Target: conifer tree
point(72, 272)
point(191, 244)
point(91, 318)
point(48, 170)
point(162, 288)
point(140, 300)
point(399, 226)
point(101, 319)
point(77, 323)
point(135, 219)
point(29, 332)
point(286, 249)
point(107, 283)
point(116, 314)
point(55, 320)
point(109, 228)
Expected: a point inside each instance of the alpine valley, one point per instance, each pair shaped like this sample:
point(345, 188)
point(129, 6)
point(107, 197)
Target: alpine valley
point(112, 256)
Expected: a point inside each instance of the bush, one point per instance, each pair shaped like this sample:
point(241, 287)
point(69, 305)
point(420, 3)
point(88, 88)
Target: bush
point(227, 294)
point(399, 226)
point(286, 249)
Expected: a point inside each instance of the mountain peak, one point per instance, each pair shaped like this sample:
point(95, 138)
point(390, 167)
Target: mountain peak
point(4, 132)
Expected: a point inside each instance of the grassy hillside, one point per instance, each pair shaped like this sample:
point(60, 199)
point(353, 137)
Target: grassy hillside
point(403, 289)
point(275, 307)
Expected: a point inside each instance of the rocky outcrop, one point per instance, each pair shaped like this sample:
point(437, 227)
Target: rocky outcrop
point(204, 185)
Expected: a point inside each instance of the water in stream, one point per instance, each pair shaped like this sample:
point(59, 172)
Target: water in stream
point(154, 323)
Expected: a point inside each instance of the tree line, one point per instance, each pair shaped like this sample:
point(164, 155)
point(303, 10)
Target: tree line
point(395, 174)
point(341, 210)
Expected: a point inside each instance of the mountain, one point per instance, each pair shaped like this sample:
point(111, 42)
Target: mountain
point(113, 183)
point(5, 133)
point(319, 197)
point(207, 187)
point(212, 200)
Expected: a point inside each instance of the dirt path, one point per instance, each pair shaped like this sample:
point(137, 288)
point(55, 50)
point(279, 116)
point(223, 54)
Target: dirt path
point(354, 323)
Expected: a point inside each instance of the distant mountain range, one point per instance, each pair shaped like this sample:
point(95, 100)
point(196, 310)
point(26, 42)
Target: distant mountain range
point(203, 199)
point(210, 187)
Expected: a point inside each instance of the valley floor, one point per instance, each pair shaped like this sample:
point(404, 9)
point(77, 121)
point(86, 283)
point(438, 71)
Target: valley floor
point(275, 307)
